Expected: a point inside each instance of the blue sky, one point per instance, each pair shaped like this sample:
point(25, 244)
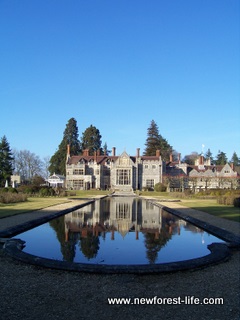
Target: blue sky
point(117, 65)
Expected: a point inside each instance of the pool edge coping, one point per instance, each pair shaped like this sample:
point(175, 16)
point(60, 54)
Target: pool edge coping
point(219, 252)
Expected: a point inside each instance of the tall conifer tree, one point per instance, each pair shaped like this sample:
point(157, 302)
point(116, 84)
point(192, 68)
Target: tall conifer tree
point(152, 142)
point(208, 155)
point(70, 136)
point(221, 158)
point(91, 140)
point(235, 160)
point(156, 142)
point(6, 161)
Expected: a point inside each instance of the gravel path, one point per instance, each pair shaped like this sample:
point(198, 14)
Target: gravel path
point(30, 292)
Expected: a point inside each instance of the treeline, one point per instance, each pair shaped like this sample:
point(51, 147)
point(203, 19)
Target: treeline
point(33, 169)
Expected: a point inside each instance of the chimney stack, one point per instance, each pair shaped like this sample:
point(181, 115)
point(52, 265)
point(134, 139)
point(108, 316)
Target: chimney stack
point(171, 157)
point(86, 152)
point(113, 151)
point(138, 152)
point(68, 149)
point(179, 158)
point(158, 153)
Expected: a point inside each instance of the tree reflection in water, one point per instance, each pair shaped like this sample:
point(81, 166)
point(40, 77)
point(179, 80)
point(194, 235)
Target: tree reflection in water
point(154, 244)
point(68, 248)
point(87, 228)
point(89, 245)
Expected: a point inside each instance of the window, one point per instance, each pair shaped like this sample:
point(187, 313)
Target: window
point(146, 166)
point(150, 183)
point(123, 177)
point(154, 166)
point(77, 184)
point(78, 171)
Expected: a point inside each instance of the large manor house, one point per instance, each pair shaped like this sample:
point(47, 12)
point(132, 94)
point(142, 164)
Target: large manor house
point(129, 173)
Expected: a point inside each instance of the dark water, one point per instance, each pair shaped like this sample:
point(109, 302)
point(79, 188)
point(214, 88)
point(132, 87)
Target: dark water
point(118, 231)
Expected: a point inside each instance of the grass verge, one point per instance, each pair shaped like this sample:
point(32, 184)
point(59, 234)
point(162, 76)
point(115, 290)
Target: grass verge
point(212, 207)
point(206, 205)
point(32, 204)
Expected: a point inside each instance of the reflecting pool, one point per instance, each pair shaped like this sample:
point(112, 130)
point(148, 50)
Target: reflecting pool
point(118, 230)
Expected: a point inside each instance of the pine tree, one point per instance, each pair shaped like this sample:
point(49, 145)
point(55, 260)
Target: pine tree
point(156, 142)
point(70, 137)
point(208, 155)
point(221, 158)
point(235, 160)
point(6, 161)
point(91, 140)
point(105, 149)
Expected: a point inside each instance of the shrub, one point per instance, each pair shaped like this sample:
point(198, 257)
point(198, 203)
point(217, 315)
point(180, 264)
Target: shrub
point(236, 202)
point(12, 190)
point(227, 200)
point(160, 187)
point(9, 197)
point(46, 192)
point(29, 189)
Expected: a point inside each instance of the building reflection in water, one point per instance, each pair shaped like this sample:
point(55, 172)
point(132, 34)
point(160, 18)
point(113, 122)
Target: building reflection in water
point(120, 215)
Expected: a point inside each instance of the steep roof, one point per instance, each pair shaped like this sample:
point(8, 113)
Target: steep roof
point(103, 158)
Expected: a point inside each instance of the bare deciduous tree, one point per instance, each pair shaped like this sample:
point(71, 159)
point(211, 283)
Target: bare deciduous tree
point(27, 164)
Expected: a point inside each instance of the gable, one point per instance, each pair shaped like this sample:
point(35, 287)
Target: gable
point(193, 173)
point(124, 160)
point(228, 171)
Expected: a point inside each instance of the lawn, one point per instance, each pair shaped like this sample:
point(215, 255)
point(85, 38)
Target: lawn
point(31, 205)
point(37, 203)
point(207, 205)
point(212, 207)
